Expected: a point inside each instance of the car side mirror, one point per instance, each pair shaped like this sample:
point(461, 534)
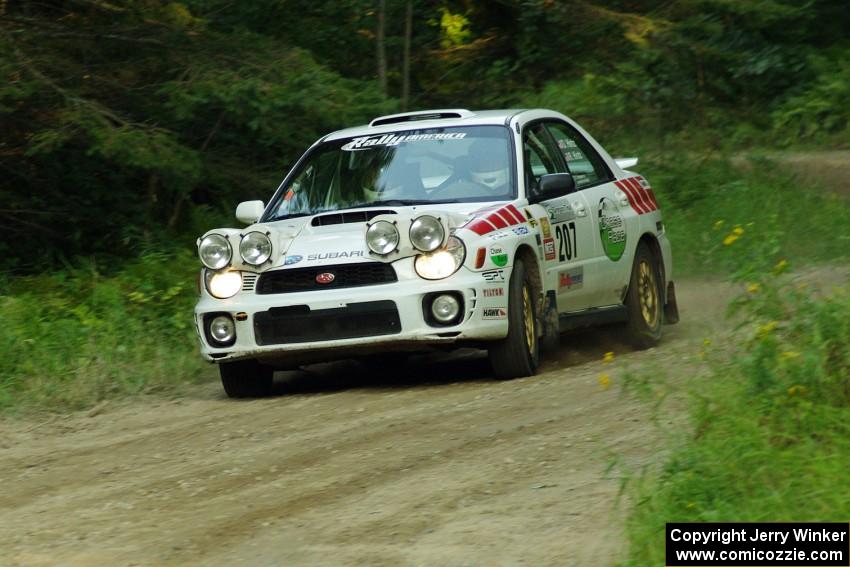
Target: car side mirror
point(552, 185)
point(249, 212)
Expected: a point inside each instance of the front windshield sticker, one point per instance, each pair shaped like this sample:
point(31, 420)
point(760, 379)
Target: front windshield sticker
point(366, 142)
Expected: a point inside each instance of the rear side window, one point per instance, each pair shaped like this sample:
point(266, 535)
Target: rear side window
point(583, 162)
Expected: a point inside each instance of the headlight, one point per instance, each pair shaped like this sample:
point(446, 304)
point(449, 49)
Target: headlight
point(427, 233)
point(255, 248)
point(382, 237)
point(442, 263)
point(223, 284)
point(215, 251)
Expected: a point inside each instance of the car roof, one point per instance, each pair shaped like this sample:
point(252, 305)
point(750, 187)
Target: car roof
point(439, 118)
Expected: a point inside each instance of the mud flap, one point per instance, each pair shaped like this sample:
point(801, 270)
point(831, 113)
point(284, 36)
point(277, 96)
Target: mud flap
point(671, 308)
point(551, 337)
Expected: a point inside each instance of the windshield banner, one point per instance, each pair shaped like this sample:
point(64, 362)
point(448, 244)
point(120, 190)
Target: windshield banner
point(366, 142)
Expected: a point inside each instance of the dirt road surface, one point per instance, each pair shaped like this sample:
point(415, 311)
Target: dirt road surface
point(434, 463)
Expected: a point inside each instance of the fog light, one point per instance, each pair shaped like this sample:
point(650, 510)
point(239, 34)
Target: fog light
point(445, 308)
point(222, 329)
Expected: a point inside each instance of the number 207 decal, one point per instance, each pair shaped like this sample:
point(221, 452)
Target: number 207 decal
point(565, 233)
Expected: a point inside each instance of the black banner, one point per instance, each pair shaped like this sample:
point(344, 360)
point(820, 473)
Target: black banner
point(758, 544)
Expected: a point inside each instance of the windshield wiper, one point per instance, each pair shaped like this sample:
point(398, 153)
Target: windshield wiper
point(289, 216)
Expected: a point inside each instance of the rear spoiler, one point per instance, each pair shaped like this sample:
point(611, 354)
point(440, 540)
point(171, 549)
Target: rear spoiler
point(626, 162)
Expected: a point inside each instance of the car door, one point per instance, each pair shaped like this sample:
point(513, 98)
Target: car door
point(606, 274)
point(569, 241)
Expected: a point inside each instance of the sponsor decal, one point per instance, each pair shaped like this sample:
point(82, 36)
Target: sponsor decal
point(530, 216)
point(498, 235)
point(639, 193)
point(494, 218)
point(292, 260)
point(571, 279)
point(494, 292)
point(560, 212)
point(495, 313)
point(498, 256)
point(547, 228)
point(612, 229)
point(334, 255)
point(549, 248)
point(366, 142)
point(494, 276)
point(521, 230)
point(325, 278)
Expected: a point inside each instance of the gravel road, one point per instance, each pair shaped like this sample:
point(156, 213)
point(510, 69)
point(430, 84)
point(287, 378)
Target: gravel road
point(433, 463)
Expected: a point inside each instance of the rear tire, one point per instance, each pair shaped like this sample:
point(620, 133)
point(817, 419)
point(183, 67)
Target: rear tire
point(644, 300)
point(518, 354)
point(246, 379)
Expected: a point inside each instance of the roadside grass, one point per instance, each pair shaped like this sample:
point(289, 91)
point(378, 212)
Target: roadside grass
point(72, 338)
point(703, 198)
point(769, 438)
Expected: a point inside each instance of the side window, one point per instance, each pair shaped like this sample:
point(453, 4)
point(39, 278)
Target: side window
point(538, 158)
point(586, 166)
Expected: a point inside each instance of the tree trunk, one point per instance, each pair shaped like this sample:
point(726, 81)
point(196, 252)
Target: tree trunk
point(381, 49)
point(408, 33)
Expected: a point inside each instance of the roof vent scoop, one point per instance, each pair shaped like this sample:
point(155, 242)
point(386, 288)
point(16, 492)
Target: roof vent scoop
point(421, 115)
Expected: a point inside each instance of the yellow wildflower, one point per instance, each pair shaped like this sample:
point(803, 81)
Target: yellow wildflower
point(719, 224)
point(796, 389)
point(730, 239)
point(609, 357)
point(780, 266)
point(789, 355)
point(767, 328)
point(753, 288)
point(706, 342)
point(738, 231)
point(604, 381)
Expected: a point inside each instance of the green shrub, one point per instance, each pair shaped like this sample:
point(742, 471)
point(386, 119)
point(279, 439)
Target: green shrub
point(74, 337)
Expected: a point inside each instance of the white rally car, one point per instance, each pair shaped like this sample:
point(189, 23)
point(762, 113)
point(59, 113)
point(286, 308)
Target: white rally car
point(494, 229)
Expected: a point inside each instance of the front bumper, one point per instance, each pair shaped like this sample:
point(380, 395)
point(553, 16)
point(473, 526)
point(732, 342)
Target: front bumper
point(407, 295)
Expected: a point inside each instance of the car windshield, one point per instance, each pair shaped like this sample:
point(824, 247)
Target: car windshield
point(412, 167)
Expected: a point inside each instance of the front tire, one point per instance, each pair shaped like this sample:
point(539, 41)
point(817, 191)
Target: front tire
point(246, 379)
point(644, 300)
point(518, 354)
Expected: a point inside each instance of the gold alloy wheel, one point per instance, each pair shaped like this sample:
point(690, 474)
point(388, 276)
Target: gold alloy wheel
point(528, 316)
point(648, 293)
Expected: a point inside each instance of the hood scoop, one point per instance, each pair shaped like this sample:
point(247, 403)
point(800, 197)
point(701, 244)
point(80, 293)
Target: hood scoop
point(348, 217)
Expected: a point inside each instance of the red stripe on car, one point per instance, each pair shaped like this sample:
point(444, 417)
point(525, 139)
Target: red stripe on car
point(481, 227)
point(515, 213)
point(642, 193)
point(496, 220)
point(638, 193)
point(633, 200)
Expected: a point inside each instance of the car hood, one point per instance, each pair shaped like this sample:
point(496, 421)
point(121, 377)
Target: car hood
point(338, 237)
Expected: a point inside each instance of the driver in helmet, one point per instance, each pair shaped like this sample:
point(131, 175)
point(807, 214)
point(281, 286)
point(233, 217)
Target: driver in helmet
point(489, 165)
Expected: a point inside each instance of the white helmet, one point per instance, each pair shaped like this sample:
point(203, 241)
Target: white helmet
point(489, 163)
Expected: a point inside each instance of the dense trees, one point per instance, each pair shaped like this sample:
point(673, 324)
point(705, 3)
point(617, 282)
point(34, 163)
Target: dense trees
point(127, 123)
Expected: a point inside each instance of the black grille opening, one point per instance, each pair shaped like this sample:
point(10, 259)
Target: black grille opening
point(344, 275)
point(299, 324)
point(351, 216)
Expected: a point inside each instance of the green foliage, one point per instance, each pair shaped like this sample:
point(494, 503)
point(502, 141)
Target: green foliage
point(769, 437)
point(75, 337)
point(821, 107)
